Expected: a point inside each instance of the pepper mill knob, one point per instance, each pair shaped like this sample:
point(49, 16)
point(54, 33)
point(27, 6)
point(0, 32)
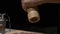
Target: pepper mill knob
point(33, 15)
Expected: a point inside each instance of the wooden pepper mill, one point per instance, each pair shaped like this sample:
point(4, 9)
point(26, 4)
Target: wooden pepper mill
point(33, 15)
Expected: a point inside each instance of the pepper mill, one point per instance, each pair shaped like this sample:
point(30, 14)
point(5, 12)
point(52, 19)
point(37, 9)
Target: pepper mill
point(33, 15)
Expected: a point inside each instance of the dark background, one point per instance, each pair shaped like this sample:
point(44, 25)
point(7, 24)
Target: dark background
point(48, 12)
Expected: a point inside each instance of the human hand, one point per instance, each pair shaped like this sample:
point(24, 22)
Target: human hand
point(31, 3)
point(30, 6)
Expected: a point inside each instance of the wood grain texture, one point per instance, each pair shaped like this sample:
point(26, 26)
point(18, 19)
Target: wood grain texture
point(22, 32)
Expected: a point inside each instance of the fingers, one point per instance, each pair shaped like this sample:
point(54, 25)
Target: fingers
point(27, 4)
point(23, 5)
point(31, 3)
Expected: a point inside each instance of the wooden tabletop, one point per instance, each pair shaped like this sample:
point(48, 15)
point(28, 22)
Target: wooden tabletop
point(13, 31)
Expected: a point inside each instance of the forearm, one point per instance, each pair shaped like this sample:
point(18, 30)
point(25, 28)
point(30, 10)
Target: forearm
point(53, 1)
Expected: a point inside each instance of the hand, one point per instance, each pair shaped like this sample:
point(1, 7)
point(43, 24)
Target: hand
point(31, 3)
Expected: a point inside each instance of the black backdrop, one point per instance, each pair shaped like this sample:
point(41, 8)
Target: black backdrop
point(48, 13)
